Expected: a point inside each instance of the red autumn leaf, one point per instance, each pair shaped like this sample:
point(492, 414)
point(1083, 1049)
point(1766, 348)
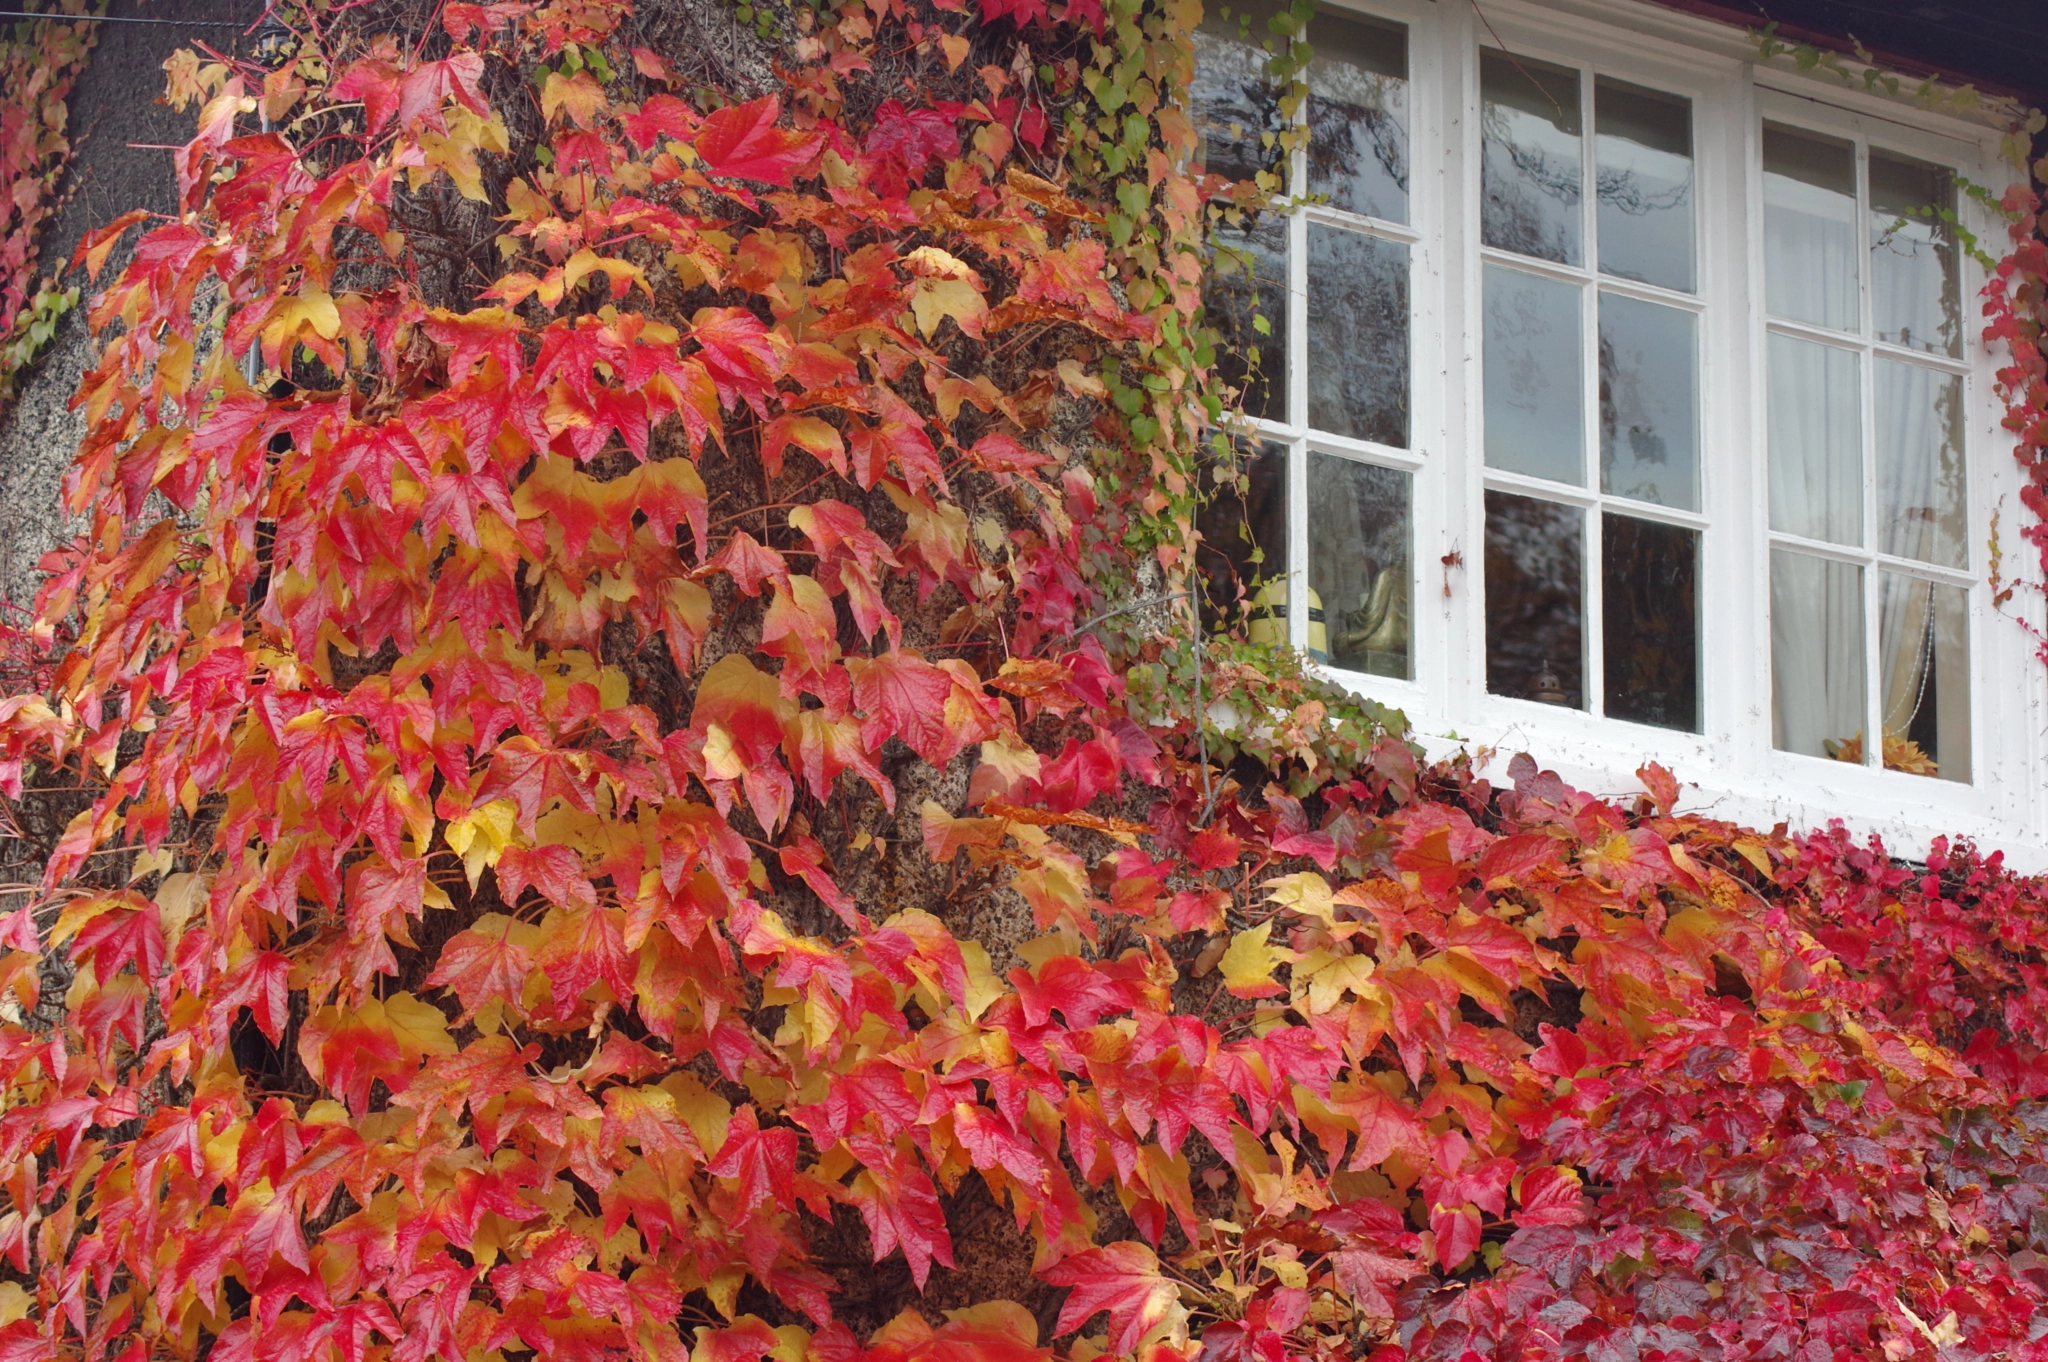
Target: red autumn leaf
point(743, 357)
point(999, 453)
point(557, 871)
point(901, 1206)
point(806, 432)
point(805, 858)
point(1550, 1196)
point(661, 118)
point(483, 963)
point(1071, 986)
point(1457, 1230)
point(1369, 1278)
point(991, 1142)
point(749, 562)
point(584, 947)
point(761, 1163)
point(1213, 848)
point(1122, 1279)
point(742, 142)
point(913, 137)
point(801, 626)
point(262, 985)
point(901, 695)
point(1562, 1053)
point(119, 937)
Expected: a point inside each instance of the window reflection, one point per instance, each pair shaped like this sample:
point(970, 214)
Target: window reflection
point(1358, 115)
point(1359, 564)
point(1913, 289)
point(1535, 569)
point(1243, 523)
point(1245, 291)
point(1810, 228)
point(1650, 647)
point(1643, 140)
point(1649, 402)
point(1535, 393)
point(1235, 100)
point(1531, 160)
point(1358, 335)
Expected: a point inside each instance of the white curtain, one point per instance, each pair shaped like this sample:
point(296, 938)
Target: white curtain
point(1816, 652)
point(1817, 611)
point(1810, 237)
point(1924, 652)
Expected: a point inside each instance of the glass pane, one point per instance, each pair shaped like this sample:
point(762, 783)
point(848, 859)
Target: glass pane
point(1359, 570)
point(1235, 101)
point(1358, 114)
point(1816, 441)
point(1816, 656)
point(1535, 390)
point(1810, 228)
point(1644, 143)
point(1246, 293)
point(1244, 527)
point(1650, 618)
point(1924, 651)
point(1535, 602)
point(1358, 335)
point(1914, 296)
point(1920, 464)
point(1530, 161)
point(1649, 402)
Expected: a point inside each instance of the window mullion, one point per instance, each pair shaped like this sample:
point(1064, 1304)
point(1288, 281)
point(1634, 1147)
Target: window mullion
point(1298, 600)
point(1593, 583)
point(1873, 628)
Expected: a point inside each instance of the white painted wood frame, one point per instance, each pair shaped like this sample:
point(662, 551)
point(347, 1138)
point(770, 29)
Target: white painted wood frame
point(1729, 767)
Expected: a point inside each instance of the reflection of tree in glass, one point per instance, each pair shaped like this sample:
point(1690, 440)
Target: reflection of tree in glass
point(1236, 105)
point(1243, 523)
point(1245, 292)
point(1516, 178)
point(1651, 644)
point(1358, 335)
point(1534, 551)
point(1342, 135)
point(1627, 192)
point(1645, 445)
point(1358, 535)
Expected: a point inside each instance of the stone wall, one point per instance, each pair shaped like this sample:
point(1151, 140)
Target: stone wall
point(121, 133)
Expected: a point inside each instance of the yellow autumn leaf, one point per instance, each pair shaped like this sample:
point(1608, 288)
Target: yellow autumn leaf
point(1249, 963)
point(1335, 976)
point(587, 262)
point(930, 261)
point(721, 759)
point(418, 1026)
point(702, 1110)
point(313, 309)
point(579, 95)
point(933, 300)
point(1079, 381)
point(480, 835)
point(1306, 893)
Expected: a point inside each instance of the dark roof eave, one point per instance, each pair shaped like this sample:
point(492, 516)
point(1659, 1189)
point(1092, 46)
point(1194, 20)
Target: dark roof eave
point(1917, 68)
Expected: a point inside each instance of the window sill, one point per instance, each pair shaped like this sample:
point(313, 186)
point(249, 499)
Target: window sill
point(1720, 777)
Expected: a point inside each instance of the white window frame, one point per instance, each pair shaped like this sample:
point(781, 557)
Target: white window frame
point(1730, 766)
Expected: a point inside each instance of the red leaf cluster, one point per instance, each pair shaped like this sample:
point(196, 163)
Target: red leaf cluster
point(537, 808)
